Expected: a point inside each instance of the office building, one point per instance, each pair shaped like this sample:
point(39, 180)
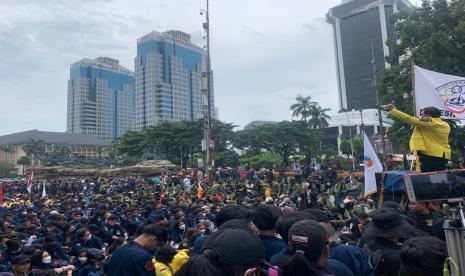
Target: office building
point(361, 29)
point(100, 98)
point(168, 79)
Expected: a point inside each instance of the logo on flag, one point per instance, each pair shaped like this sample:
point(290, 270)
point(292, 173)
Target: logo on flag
point(452, 95)
point(368, 162)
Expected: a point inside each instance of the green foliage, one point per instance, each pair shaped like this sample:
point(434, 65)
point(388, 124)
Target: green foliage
point(263, 160)
point(346, 147)
point(433, 37)
point(178, 142)
point(358, 147)
point(310, 112)
point(6, 169)
point(284, 138)
point(34, 147)
point(6, 148)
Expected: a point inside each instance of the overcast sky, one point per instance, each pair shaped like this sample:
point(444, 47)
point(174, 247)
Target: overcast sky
point(264, 52)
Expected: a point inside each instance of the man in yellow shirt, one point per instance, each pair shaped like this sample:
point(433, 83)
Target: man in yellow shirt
point(430, 137)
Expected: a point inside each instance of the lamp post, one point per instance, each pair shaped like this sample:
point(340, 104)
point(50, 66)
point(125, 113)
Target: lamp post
point(207, 131)
point(380, 117)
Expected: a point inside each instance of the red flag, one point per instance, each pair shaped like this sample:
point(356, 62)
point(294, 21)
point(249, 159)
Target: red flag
point(1, 194)
point(29, 180)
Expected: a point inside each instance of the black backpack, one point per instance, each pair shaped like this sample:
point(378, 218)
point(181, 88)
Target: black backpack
point(376, 257)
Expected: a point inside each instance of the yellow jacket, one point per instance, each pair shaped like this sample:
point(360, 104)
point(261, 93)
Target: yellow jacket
point(179, 260)
point(162, 269)
point(431, 138)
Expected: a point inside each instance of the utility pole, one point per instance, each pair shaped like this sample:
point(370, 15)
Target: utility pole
point(380, 117)
point(206, 88)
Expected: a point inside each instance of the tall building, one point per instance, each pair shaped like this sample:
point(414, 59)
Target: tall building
point(100, 98)
point(168, 74)
point(361, 29)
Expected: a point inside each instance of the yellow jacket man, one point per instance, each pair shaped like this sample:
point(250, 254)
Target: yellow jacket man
point(430, 137)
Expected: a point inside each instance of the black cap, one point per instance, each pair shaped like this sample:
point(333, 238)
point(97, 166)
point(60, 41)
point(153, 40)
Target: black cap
point(21, 259)
point(234, 247)
point(308, 236)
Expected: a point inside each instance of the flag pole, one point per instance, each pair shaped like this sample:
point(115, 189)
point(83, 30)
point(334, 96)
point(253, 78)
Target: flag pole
point(415, 153)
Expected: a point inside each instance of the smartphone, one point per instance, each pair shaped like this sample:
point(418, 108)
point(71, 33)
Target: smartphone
point(435, 186)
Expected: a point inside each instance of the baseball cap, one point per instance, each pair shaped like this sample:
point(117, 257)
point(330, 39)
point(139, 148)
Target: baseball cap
point(234, 246)
point(308, 236)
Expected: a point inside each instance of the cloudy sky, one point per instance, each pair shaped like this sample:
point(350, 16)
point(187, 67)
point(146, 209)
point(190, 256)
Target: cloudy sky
point(264, 52)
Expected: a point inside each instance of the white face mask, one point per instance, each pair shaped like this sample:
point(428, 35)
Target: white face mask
point(88, 238)
point(202, 231)
point(82, 259)
point(182, 227)
point(47, 260)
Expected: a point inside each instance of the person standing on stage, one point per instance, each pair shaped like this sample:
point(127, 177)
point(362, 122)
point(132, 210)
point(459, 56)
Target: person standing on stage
point(430, 137)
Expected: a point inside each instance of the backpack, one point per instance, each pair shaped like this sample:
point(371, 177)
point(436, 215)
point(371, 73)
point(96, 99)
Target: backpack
point(376, 257)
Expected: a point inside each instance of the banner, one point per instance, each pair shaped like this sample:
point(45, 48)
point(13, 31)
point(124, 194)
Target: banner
point(372, 166)
point(446, 92)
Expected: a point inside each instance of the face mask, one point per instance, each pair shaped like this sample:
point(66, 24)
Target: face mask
point(47, 260)
point(24, 213)
point(82, 259)
point(182, 227)
point(202, 231)
point(50, 229)
point(88, 238)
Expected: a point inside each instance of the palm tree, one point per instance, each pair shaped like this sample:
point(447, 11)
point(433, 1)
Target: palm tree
point(23, 161)
point(34, 147)
point(302, 107)
point(319, 118)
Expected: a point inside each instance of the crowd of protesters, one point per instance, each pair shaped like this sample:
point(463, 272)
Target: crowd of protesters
point(242, 222)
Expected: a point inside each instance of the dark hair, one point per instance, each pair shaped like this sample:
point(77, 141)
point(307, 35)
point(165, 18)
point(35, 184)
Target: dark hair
point(165, 254)
point(432, 111)
point(115, 245)
point(157, 231)
point(318, 214)
point(201, 265)
point(230, 212)
point(236, 223)
point(265, 216)
point(300, 265)
point(423, 255)
point(285, 222)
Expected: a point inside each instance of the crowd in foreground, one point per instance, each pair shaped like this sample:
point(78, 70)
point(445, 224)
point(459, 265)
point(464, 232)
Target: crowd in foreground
point(245, 222)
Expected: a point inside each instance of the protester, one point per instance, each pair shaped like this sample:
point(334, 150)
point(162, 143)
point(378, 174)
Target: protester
point(423, 256)
point(430, 137)
point(135, 258)
point(131, 226)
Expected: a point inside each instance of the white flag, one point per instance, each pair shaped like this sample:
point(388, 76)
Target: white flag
point(372, 166)
point(446, 92)
point(44, 193)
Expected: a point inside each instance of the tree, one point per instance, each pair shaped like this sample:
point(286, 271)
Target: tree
point(6, 169)
point(433, 37)
point(23, 161)
point(284, 138)
point(6, 148)
point(346, 147)
point(178, 142)
point(34, 147)
point(302, 107)
point(263, 160)
point(319, 118)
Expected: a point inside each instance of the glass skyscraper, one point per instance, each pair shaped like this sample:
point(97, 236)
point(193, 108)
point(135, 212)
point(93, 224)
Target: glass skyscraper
point(168, 79)
point(100, 98)
point(361, 27)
